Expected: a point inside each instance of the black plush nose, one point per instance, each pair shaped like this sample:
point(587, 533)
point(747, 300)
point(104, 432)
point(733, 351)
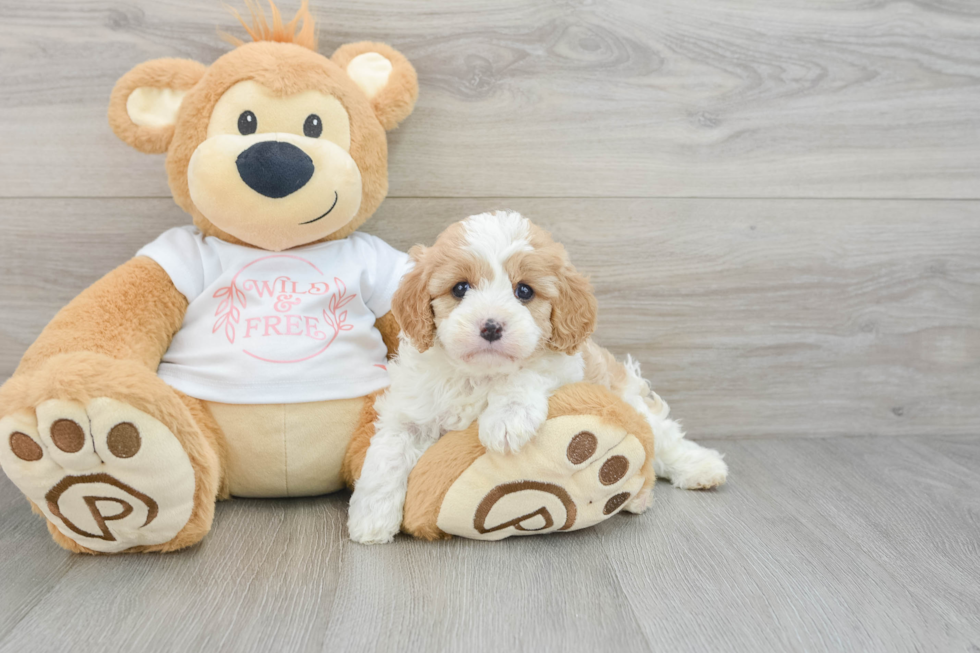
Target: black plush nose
point(274, 169)
point(491, 331)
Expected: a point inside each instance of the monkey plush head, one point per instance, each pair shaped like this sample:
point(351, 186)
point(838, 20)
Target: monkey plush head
point(274, 145)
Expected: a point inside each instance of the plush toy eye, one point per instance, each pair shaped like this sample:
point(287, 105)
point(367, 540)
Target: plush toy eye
point(313, 126)
point(460, 289)
point(524, 292)
point(247, 124)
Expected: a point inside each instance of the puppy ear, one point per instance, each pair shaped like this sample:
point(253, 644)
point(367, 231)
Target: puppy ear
point(385, 76)
point(412, 304)
point(573, 312)
point(145, 101)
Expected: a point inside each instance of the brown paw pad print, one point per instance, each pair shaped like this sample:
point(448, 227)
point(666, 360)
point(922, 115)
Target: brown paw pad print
point(119, 507)
point(67, 435)
point(536, 503)
point(577, 471)
point(615, 502)
point(24, 447)
point(581, 448)
point(535, 520)
point(124, 440)
point(104, 473)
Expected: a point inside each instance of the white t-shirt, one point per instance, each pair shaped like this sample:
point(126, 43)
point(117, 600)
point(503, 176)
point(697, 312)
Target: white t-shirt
point(278, 327)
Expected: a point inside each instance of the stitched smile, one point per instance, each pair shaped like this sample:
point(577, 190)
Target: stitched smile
point(335, 198)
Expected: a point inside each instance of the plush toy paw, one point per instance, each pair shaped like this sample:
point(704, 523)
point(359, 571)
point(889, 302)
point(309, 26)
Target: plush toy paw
point(640, 502)
point(508, 426)
point(576, 472)
point(107, 475)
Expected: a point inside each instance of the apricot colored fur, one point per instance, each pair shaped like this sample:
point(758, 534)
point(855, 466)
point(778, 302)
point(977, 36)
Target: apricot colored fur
point(261, 30)
point(132, 313)
point(387, 324)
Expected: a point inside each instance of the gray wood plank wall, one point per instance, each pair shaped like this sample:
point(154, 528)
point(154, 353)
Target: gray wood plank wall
point(689, 98)
point(695, 157)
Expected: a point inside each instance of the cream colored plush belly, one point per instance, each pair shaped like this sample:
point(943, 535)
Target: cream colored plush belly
point(286, 450)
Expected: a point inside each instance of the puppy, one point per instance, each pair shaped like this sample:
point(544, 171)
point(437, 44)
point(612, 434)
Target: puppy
point(494, 319)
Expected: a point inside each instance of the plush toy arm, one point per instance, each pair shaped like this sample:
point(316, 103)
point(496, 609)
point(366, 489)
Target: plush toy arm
point(388, 326)
point(132, 313)
point(92, 371)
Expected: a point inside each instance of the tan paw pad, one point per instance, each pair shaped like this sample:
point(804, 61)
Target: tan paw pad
point(108, 476)
point(576, 472)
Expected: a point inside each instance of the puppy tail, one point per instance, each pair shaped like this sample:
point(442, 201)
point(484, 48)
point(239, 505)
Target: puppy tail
point(687, 464)
point(636, 387)
point(624, 379)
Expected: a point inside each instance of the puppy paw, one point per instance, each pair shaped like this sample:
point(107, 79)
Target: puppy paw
point(699, 468)
point(507, 427)
point(372, 530)
point(373, 520)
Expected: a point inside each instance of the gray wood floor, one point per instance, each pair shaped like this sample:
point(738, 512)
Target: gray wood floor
point(832, 544)
point(779, 204)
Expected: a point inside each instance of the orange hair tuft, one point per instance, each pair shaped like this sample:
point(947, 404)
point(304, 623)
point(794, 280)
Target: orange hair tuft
point(261, 30)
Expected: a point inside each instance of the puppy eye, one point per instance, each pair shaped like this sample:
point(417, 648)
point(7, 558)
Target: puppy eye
point(313, 126)
point(247, 124)
point(524, 292)
point(460, 289)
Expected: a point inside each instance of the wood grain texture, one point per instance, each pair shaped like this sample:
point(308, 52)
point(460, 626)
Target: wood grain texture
point(844, 544)
point(631, 98)
point(770, 325)
point(752, 317)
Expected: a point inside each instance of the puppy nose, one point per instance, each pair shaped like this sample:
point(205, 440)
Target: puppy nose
point(274, 169)
point(491, 331)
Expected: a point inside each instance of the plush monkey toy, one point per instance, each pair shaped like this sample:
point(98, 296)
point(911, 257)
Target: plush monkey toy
point(240, 356)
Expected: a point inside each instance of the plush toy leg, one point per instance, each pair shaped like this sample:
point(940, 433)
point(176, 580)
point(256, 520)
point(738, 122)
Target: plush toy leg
point(591, 459)
point(286, 450)
point(113, 458)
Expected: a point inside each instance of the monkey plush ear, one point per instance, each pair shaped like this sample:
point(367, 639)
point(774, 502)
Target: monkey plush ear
point(144, 104)
point(385, 76)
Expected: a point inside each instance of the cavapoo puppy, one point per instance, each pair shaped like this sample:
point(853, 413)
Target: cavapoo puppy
point(494, 319)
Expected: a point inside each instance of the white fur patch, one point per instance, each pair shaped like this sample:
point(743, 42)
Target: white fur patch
point(495, 237)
